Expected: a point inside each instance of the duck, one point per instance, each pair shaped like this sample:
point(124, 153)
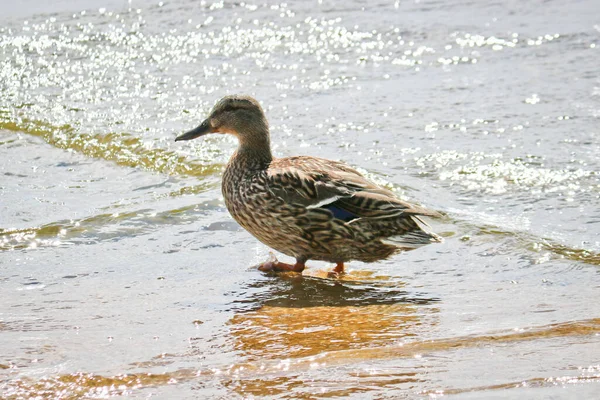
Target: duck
point(306, 207)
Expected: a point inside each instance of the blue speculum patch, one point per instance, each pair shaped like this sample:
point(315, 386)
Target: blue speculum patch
point(340, 213)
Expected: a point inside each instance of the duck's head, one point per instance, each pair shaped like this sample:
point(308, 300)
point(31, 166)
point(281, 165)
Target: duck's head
point(241, 116)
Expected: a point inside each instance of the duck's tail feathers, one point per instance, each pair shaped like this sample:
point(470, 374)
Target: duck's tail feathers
point(420, 236)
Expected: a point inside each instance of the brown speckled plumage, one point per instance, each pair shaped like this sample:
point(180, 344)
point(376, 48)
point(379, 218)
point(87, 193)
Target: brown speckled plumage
point(307, 207)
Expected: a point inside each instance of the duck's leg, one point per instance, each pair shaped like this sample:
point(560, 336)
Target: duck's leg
point(339, 268)
point(337, 272)
point(277, 266)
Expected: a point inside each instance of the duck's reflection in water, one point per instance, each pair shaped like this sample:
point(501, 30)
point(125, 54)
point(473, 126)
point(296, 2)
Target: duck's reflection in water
point(292, 317)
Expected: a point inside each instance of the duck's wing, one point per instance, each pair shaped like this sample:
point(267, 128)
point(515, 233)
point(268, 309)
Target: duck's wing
point(319, 183)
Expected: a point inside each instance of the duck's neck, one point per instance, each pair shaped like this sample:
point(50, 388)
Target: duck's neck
point(254, 152)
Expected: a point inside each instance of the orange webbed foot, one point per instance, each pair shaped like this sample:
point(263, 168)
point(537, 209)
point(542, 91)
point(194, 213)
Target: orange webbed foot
point(276, 266)
point(338, 271)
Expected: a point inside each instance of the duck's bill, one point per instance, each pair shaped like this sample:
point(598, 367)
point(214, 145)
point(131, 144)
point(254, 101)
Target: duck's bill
point(203, 129)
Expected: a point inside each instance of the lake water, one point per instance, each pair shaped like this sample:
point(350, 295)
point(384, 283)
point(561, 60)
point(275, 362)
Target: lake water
point(122, 273)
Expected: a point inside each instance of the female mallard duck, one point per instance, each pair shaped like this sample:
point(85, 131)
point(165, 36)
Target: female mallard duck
point(307, 207)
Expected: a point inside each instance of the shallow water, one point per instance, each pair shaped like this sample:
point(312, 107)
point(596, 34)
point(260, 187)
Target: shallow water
point(121, 272)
